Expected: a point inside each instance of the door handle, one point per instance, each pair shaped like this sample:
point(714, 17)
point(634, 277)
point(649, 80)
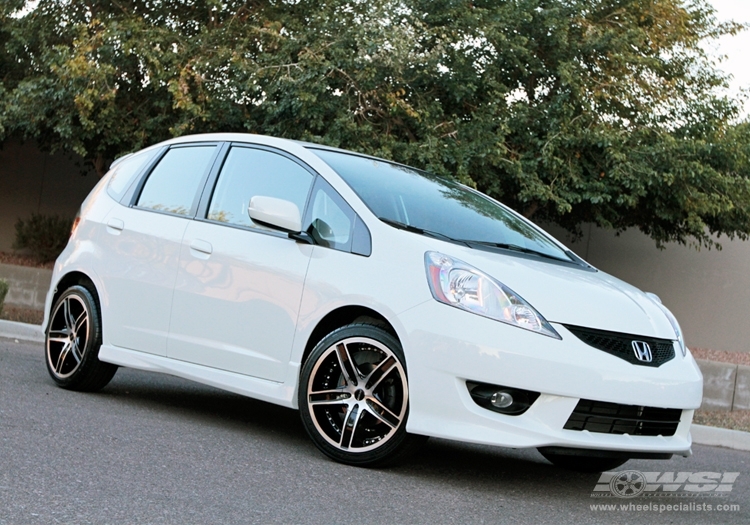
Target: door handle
point(202, 247)
point(115, 226)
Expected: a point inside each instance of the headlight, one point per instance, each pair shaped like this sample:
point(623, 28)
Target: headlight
point(458, 284)
point(672, 320)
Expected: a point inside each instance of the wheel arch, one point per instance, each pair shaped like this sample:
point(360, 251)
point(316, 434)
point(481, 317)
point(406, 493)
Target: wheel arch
point(72, 278)
point(343, 316)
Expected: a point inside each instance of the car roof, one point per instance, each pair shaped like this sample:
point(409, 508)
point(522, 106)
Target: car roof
point(245, 137)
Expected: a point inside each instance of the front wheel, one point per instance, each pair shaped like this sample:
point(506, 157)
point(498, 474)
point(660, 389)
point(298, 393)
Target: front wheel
point(73, 338)
point(354, 397)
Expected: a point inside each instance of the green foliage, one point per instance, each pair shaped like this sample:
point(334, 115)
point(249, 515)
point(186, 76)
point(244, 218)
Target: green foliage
point(45, 236)
point(570, 111)
point(3, 293)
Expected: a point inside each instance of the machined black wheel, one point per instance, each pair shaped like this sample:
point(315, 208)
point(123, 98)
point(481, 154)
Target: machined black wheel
point(72, 342)
point(354, 397)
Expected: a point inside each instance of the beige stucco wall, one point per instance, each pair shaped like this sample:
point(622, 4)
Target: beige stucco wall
point(31, 181)
point(707, 290)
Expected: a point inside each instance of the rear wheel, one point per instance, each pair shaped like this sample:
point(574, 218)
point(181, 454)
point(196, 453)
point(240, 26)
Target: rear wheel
point(354, 397)
point(73, 339)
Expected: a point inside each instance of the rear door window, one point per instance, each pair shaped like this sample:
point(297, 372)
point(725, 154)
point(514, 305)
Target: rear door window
point(173, 186)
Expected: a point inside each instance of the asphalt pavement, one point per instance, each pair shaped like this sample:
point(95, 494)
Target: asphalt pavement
point(151, 448)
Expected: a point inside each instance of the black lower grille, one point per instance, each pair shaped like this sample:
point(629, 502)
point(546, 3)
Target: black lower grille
point(613, 418)
point(621, 345)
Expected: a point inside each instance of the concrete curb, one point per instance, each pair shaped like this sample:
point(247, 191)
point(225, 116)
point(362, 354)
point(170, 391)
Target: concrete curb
point(702, 435)
point(720, 437)
point(22, 331)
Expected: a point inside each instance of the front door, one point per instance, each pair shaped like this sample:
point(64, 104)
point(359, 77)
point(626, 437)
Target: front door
point(239, 284)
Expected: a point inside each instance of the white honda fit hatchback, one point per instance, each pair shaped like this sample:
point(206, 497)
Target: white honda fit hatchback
point(385, 303)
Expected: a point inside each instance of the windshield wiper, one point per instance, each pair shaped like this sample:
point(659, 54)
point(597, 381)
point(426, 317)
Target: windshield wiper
point(471, 243)
point(515, 248)
point(422, 231)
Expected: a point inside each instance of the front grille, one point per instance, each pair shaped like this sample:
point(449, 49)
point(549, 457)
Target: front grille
point(613, 418)
point(621, 345)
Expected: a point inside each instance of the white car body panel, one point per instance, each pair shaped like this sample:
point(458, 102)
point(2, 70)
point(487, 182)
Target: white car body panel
point(571, 296)
point(139, 264)
point(271, 391)
point(452, 350)
point(236, 309)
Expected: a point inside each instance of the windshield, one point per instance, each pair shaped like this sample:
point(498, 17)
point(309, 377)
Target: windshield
point(425, 203)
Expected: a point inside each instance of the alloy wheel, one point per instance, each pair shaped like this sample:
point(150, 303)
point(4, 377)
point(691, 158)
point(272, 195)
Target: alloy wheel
point(357, 394)
point(68, 335)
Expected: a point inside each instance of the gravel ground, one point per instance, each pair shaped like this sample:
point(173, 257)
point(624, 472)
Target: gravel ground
point(21, 315)
point(736, 358)
point(23, 260)
point(736, 420)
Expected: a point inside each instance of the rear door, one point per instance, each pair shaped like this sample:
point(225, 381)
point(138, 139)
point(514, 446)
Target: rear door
point(142, 247)
point(239, 284)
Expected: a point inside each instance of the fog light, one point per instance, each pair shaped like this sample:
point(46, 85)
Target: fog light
point(506, 400)
point(501, 400)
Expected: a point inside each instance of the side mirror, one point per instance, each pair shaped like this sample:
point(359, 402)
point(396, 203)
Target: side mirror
point(277, 213)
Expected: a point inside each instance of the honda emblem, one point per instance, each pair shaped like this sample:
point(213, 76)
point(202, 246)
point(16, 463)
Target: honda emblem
point(642, 351)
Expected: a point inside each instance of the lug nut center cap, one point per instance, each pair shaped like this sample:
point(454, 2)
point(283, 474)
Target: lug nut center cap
point(359, 395)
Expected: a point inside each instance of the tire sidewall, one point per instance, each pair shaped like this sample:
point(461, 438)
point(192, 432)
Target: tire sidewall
point(90, 353)
point(389, 449)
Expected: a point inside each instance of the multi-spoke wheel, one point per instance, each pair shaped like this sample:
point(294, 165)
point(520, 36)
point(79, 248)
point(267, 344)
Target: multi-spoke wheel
point(73, 341)
point(354, 397)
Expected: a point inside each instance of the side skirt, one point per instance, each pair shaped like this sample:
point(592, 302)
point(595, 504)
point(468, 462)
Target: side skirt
point(264, 390)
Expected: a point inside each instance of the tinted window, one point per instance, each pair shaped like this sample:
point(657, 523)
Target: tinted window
point(415, 198)
point(248, 172)
point(330, 219)
point(125, 171)
point(173, 184)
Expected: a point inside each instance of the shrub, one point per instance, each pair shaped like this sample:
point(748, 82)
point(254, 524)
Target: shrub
point(45, 236)
point(3, 293)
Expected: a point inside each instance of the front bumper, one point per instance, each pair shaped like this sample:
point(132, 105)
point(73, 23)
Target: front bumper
point(445, 347)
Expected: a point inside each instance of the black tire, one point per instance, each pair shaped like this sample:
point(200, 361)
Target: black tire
point(583, 463)
point(73, 338)
point(357, 415)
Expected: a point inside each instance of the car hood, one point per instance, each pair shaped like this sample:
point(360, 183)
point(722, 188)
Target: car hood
point(572, 295)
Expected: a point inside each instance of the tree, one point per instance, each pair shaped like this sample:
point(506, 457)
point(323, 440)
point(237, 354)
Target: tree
point(570, 111)
point(7, 67)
